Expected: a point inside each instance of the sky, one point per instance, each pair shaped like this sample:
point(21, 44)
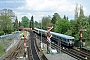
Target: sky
point(41, 8)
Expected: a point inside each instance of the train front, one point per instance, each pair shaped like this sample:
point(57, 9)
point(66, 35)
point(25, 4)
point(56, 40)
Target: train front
point(71, 42)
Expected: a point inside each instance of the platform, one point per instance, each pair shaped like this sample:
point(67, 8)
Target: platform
point(58, 56)
point(61, 56)
point(88, 47)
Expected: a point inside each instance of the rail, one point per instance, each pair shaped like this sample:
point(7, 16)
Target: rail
point(42, 57)
point(37, 54)
point(15, 52)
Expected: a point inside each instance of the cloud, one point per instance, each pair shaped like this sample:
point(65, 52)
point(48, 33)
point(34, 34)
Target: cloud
point(40, 8)
point(21, 14)
point(11, 3)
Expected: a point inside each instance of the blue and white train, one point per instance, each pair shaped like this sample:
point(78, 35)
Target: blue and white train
point(65, 39)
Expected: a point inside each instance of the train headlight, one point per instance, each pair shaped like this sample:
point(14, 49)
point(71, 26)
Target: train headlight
point(70, 42)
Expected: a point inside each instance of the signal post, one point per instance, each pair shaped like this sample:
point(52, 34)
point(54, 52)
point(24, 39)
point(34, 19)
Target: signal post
point(25, 47)
point(48, 42)
point(81, 30)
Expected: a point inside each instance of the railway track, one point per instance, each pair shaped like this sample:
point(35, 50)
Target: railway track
point(85, 50)
point(29, 49)
point(73, 54)
point(83, 53)
point(15, 52)
point(34, 53)
point(77, 54)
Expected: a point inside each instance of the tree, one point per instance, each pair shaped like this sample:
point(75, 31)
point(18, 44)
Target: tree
point(32, 23)
point(37, 24)
point(76, 12)
point(7, 17)
point(87, 35)
point(6, 23)
point(69, 32)
point(64, 17)
point(62, 26)
point(89, 19)
point(25, 21)
point(19, 23)
point(16, 25)
point(46, 22)
point(53, 20)
point(81, 12)
point(74, 27)
point(56, 17)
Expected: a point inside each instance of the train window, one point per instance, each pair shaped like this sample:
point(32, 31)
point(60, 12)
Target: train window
point(59, 37)
point(54, 35)
point(71, 40)
point(64, 39)
point(43, 33)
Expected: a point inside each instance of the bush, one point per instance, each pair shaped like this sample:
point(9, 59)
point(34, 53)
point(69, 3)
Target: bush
point(9, 31)
point(1, 33)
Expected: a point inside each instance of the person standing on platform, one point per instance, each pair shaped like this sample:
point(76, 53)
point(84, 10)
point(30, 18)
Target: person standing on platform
point(48, 42)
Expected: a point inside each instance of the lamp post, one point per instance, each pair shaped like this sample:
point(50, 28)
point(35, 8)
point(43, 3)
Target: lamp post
point(41, 36)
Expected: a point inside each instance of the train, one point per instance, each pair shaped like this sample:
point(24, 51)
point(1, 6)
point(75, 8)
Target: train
point(65, 40)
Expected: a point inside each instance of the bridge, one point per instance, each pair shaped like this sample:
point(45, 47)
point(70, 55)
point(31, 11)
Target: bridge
point(31, 50)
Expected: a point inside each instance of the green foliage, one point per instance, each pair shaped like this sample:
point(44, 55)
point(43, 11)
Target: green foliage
point(76, 12)
point(69, 32)
point(1, 33)
point(3, 44)
point(56, 17)
point(87, 42)
point(64, 17)
point(36, 24)
point(5, 23)
point(77, 36)
point(31, 23)
point(19, 23)
point(62, 26)
point(83, 22)
point(86, 34)
point(46, 22)
point(74, 27)
point(89, 19)
point(67, 18)
point(16, 25)
point(25, 21)
point(54, 20)
point(81, 15)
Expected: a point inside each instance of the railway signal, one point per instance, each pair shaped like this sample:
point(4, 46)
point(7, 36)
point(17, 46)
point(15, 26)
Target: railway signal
point(81, 35)
point(48, 39)
point(25, 47)
point(25, 33)
point(81, 30)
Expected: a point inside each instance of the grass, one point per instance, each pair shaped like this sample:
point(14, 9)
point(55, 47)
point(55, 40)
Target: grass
point(87, 43)
point(3, 44)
